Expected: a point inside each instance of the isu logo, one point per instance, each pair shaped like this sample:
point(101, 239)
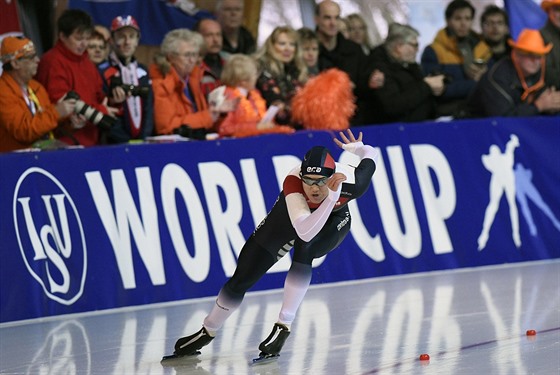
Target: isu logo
point(50, 235)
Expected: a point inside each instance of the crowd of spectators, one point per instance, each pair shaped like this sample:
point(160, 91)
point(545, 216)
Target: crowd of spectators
point(89, 89)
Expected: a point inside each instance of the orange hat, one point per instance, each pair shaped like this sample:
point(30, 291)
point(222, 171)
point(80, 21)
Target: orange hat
point(15, 47)
point(547, 4)
point(530, 41)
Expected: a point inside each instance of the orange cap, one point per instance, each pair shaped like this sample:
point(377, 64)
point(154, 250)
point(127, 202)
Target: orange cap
point(547, 4)
point(14, 47)
point(531, 41)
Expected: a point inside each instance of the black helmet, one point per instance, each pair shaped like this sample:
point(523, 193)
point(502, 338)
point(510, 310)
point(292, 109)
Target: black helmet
point(319, 161)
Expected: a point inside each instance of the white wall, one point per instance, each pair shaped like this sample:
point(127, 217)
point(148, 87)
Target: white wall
point(427, 16)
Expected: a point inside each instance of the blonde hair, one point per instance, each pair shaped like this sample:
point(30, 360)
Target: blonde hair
point(238, 68)
point(265, 55)
point(360, 19)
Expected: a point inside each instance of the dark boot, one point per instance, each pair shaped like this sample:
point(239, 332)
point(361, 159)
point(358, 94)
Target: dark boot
point(275, 341)
point(189, 345)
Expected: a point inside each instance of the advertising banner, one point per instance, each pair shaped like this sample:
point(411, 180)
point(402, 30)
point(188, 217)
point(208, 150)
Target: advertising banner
point(107, 227)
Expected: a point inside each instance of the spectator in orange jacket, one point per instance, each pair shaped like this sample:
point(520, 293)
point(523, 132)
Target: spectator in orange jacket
point(26, 113)
point(248, 119)
point(179, 104)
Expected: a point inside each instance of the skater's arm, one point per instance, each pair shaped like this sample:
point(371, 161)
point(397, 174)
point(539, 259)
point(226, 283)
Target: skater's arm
point(364, 171)
point(308, 224)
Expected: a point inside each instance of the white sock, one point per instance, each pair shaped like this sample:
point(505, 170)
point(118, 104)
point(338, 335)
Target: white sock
point(296, 285)
point(221, 311)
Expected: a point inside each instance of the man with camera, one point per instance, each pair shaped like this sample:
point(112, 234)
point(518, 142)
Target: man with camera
point(127, 83)
point(67, 67)
point(26, 113)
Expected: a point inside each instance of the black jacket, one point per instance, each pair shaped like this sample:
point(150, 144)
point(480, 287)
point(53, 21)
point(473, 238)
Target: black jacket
point(350, 58)
point(498, 93)
point(404, 97)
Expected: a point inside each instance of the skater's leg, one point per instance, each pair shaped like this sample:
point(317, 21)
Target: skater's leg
point(296, 285)
point(299, 276)
point(252, 264)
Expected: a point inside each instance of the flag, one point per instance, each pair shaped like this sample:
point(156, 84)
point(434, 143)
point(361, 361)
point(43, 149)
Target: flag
point(524, 14)
point(155, 17)
point(9, 21)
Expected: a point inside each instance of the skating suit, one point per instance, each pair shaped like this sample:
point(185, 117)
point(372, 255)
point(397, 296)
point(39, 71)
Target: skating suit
point(275, 236)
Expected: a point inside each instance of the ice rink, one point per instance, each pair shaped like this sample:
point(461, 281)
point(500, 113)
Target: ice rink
point(470, 321)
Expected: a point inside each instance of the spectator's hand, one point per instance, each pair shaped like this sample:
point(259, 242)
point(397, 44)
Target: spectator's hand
point(475, 71)
point(265, 125)
point(436, 84)
point(335, 180)
point(228, 105)
point(118, 95)
point(376, 79)
point(78, 121)
point(111, 111)
point(65, 107)
point(549, 101)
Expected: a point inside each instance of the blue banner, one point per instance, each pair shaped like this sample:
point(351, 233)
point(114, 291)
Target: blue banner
point(107, 227)
point(155, 17)
point(524, 14)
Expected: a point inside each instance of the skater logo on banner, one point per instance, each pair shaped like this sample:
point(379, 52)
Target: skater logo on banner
point(50, 235)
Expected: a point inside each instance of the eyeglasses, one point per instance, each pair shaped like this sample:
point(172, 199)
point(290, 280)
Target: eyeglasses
point(314, 181)
point(493, 23)
point(29, 56)
point(413, 45)
point(188, 55)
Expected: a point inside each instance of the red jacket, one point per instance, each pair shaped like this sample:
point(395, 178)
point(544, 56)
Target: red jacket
point(60, 71)
point(18, 127)
point(172, 108)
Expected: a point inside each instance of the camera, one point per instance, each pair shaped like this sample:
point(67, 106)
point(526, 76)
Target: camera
point(479, 62)
point(116, 81)
point(188, 132)
point(90, 113)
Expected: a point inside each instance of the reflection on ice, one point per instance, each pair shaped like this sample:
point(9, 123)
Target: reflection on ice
point(469, 321)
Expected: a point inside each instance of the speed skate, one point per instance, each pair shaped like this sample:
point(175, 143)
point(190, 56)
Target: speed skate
point(176, 356)
point(264, 358)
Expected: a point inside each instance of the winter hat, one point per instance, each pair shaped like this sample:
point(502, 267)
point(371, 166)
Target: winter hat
point(16, 47)
point(124, 21)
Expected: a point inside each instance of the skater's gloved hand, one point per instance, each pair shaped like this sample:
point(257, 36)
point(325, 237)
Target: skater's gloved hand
point(356, 146)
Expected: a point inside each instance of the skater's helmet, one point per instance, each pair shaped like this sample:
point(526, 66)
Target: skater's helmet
point(318, 160)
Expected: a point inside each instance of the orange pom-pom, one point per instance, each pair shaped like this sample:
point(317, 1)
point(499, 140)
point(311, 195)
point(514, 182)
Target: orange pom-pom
point(325, 102)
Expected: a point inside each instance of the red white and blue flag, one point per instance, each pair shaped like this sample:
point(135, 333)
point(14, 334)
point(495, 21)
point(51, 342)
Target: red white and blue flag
point(155, 17)
point(524, 14)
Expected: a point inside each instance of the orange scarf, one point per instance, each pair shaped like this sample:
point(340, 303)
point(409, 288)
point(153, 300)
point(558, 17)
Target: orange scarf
point(529, 92)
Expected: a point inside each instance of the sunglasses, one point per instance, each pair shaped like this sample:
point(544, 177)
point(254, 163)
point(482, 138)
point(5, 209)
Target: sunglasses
point(314, 181)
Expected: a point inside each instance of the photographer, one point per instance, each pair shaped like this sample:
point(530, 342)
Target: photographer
point(67, 67)
point(26, 113)
point(128, 85)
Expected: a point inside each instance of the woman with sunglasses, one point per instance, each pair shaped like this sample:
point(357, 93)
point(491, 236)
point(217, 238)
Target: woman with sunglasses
point(311, 215)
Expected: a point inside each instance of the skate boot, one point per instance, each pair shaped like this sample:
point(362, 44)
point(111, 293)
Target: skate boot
point(190, 345)
point(275, 341)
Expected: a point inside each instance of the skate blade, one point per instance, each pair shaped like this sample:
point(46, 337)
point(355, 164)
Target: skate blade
point(264, 358)
point(175, 356)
